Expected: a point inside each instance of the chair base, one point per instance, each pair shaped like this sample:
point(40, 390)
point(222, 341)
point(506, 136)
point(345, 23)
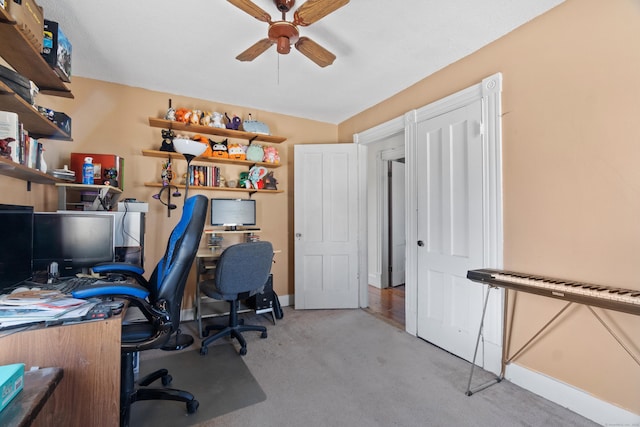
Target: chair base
point(233, 330)
point(179, 341)
point(129, 394)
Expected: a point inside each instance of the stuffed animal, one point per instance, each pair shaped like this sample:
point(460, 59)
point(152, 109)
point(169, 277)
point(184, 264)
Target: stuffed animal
point(220, 149)
point(182, 115)
point(194, 118)
point(237, 151)
point(167, 140)
point(255, 153)
point(217, 120)
point(233, 124)
point(270, 182)
point(256, 173)
point(271, 155)
point(205, 120)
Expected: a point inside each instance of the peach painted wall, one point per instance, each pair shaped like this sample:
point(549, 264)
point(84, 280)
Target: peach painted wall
point(111, 118)
point(571, 147)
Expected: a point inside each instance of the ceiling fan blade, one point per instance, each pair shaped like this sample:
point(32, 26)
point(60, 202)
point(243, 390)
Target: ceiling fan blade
point(254, 51)
point(315, 52)
point(314, 10)
point(252, 9)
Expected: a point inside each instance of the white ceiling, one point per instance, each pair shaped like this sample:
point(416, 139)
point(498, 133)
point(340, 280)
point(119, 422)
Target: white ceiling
point(188, 47)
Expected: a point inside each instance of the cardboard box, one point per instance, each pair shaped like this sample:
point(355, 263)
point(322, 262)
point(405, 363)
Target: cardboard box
point(102, 164)
point(29, 19)
point(11, 382)
point(56, 50)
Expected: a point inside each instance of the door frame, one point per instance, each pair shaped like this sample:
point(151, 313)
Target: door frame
point(489, 92)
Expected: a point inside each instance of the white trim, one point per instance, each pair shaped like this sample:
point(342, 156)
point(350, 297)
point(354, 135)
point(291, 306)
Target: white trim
point(568, 396)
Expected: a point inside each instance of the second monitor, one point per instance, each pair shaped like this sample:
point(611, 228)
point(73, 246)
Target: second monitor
point(233, 213)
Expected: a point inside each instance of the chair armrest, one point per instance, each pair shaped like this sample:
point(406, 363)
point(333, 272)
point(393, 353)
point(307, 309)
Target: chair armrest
point(124, 268)
point(112, 289)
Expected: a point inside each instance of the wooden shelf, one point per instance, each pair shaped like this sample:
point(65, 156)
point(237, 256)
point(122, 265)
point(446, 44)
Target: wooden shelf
point(16, 170)
point(37, 125)
point(27, 60)
point(106, 194)
point(219, 160)
point(208, 130)
point(202, 187)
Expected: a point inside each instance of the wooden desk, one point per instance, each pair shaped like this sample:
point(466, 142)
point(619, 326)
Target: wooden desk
point(89, 354)
point(38, 387)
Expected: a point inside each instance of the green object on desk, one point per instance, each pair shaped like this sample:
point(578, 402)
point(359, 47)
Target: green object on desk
point(11, 382)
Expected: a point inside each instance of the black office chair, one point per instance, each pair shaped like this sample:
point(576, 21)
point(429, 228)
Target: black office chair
point(159, 299)
point(241, 272)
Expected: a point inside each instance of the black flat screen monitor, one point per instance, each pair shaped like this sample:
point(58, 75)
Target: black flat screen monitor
point(76, 241)
point(15, 245)
point(233, 213)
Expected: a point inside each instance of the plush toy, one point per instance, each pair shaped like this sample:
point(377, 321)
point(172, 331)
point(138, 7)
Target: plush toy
point(194, 118)
point(270, 182)
point(182, 115)
point(234, 123)
point(205, 120)
point(256, 173)
point(217, 120)
point(243, 179)
point(237, 151)
point(255, 153)
point(220, 149)
point(271, 155)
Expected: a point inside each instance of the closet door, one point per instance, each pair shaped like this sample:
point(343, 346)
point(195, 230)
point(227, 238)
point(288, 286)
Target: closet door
point(449, 228)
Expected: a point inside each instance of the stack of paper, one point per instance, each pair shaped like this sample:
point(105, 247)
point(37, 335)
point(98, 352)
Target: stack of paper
point(40, 306)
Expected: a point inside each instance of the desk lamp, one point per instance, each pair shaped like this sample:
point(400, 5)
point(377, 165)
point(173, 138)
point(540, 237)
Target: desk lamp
point(190, 150)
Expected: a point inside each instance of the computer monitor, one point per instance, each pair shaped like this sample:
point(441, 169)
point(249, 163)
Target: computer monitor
point(15, 245)
point(76, 241)
point(233, 213)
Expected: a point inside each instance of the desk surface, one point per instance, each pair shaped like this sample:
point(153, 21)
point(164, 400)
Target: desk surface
point(38, 386)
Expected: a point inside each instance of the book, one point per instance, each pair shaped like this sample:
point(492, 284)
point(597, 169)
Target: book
point(10, 132)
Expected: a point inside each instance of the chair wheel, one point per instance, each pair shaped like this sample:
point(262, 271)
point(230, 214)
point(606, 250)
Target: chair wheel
point(192, 406)
point(263, 335)
point(243, 351)
point(204, 350)
point(166, 380)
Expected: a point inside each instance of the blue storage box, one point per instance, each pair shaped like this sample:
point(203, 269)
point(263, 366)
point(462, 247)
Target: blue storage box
point(11, 382)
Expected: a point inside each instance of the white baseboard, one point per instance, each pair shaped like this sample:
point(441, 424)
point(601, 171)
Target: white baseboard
point(579, 401)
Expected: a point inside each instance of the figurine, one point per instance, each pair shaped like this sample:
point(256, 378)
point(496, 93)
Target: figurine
point(256, 173)
point(167, 140)
point(167, 173)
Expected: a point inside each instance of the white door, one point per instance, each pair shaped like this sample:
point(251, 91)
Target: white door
point(398, 234)
point(449, 202)
point(326, 226)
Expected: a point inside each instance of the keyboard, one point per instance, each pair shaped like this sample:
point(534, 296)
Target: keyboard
point(67, 286)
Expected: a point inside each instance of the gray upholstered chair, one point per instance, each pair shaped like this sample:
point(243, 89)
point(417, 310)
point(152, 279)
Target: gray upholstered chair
point(241, 272)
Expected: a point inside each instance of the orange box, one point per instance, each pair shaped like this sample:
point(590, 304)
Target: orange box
point(103, 164)
point(29, 18)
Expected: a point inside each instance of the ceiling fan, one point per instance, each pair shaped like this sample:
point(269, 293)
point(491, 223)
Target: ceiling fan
point(285, 33)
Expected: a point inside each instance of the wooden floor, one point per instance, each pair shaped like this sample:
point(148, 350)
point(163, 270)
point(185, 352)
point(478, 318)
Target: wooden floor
point(388, 304)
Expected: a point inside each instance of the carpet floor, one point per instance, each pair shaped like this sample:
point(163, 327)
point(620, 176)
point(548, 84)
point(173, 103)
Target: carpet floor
point(346, 368)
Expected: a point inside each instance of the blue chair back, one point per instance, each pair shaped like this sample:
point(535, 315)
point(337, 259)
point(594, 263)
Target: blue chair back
point(169, 278)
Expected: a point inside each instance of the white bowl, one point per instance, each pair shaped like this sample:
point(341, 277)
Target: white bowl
point(189, 146)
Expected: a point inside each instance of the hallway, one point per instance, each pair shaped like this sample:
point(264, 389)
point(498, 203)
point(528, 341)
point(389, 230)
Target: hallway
point(388, 304)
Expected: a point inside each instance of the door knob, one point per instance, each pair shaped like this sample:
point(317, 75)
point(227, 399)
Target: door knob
point(420, 243)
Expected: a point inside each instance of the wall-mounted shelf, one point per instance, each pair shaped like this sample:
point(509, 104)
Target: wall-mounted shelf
point(27, 60)
point(106, 196)
point(219, 160)
point(208, 130)
point(201, 187)
point(18, 171)
point(37, 125)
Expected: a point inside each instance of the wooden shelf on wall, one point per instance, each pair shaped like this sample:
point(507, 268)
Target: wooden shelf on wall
point(23, 56)
point(37, 125)
point(201, 187)
point(208, 130)
point(219, 160)
point(16, 170)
